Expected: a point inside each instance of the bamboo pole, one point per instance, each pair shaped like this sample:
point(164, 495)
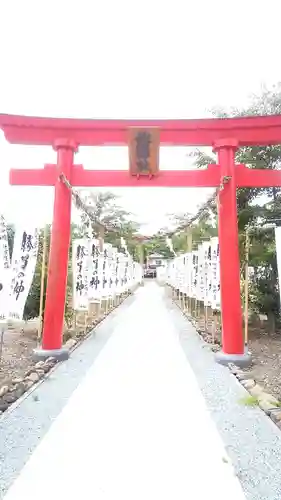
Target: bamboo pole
point(195, 307)
point(246, 289)
point(189, 241)
point(206, 317)
point(42, 286)
point(101, 237)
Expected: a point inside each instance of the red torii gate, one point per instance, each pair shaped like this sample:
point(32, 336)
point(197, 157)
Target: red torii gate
point(224, 135)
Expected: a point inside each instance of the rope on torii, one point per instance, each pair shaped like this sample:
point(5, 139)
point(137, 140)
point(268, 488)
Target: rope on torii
point(207, 205)
point(81, 205)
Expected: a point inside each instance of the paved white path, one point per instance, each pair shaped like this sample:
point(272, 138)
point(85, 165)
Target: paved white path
point(137, 427)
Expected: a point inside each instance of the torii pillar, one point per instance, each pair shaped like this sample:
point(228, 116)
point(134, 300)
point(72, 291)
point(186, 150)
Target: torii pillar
point(232, 322)
point(58, 258)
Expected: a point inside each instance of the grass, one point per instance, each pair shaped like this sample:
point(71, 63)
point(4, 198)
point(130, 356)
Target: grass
point(254, 401)
point(249, 401)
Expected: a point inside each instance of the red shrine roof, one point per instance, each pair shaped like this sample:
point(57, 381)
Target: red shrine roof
point(253, 130)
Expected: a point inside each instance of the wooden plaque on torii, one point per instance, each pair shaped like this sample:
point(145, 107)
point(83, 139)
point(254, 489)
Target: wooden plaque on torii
point(144, 144)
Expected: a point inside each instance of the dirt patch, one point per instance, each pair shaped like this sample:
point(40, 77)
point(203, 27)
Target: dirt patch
point(16, 353)
point(266, 369)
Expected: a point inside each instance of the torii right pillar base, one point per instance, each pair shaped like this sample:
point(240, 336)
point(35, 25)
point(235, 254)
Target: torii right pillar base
point(241, 360)
point(43, 354)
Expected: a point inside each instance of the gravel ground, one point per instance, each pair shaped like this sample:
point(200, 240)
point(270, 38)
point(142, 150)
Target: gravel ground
point(16, 356)
point(23, 427)
point(251, 439)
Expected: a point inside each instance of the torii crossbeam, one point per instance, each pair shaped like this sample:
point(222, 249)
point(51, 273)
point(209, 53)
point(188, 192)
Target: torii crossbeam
point(224, 135)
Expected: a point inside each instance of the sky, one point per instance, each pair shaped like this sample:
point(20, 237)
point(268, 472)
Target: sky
point(127, 59)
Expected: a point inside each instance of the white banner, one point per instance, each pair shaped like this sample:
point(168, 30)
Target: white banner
point(105, 271)
point(112, 267)
point(80, 267)
point(278, 254)
point(123, 244)
point(24, 260)
point(201, 273)
point(100, 275)
point(169, 243)
point(194, 274)
point(197, 274)
point(4, 269)
point(94, 275)
point(215, 270)
point(208, 274)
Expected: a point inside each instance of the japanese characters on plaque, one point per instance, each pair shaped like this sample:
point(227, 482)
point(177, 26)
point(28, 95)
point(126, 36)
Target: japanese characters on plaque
point(144, 146)
point(23, 265)
point(197, 274)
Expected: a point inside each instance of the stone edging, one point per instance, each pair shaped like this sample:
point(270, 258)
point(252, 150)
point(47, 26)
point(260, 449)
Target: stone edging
point(10, 394)
point(267, 402)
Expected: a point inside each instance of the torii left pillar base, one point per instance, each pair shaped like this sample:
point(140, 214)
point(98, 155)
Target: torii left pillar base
point(43, 354)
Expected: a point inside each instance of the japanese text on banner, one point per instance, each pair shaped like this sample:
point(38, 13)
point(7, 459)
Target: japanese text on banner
point(23, 265)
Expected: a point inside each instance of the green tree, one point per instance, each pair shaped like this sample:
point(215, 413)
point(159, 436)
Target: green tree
point(251, 210)
point(202, 229)
point(263, 288)
point(157, 244)
point(104, 209)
